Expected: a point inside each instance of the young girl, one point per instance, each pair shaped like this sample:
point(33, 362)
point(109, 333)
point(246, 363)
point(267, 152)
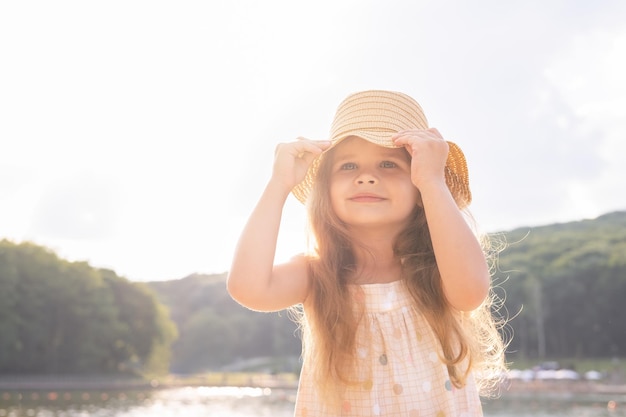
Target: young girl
point(396, 311)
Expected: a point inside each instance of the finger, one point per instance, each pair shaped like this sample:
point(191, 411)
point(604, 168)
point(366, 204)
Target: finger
point(435, 131)
point(405, 139)
point(410, 132)
point(303, 147)
point(413, 137)
point(406, 142)
point(311, 147)
point(413, 133)
point(319, 142)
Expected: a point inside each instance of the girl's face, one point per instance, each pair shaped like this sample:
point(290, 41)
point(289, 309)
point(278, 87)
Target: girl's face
point(370, 186)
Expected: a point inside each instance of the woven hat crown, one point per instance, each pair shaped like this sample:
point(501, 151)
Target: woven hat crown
point(375, 116)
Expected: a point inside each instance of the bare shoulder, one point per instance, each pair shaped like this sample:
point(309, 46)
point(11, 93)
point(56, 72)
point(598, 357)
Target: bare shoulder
point(298, 263)
point(288, 286)
point(294, 275)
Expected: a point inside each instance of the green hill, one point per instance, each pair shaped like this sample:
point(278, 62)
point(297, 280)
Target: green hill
point(563, 287)
point(215, 331)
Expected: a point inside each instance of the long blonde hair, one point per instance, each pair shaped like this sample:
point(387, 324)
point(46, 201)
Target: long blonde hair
point(469, 341)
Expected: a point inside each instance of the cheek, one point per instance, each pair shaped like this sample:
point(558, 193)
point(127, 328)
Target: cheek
point(333, 193)
point(337, 192)
point(336, 186)
point(416, 197)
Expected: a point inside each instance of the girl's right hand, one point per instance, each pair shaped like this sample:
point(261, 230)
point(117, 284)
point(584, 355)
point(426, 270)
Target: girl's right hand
point(292, 160)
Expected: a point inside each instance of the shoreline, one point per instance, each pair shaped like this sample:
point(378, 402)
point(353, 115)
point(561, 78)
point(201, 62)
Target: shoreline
point(117, 383)
point(565, 387)
point(277, 381)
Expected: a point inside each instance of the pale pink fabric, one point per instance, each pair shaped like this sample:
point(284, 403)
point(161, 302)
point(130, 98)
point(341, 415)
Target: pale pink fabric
point(399, 369)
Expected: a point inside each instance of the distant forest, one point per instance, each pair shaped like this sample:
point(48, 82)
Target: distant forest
point(562, 287)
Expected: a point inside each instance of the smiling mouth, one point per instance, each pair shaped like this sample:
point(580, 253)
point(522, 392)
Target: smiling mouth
point(366, 198)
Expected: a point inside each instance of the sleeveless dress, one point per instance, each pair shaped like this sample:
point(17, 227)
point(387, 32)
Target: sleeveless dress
point(399, 370)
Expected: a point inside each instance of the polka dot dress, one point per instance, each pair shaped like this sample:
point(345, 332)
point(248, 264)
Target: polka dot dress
point(399, 370)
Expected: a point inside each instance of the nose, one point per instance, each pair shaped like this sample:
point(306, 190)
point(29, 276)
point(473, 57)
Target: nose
point(366, 178)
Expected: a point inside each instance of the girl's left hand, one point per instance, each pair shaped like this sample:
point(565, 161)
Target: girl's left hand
point(429, 153)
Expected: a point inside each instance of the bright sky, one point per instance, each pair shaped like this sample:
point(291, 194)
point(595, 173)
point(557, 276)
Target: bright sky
point(138, 135)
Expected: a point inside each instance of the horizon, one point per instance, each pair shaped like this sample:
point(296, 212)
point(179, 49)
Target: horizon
point(225, 272)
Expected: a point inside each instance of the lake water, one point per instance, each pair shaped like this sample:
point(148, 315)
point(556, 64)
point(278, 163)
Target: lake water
point(259, 402)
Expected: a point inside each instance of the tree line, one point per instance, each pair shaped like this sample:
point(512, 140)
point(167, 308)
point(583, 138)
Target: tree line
point(562, 287)
point(215, 331)
point(68, 317)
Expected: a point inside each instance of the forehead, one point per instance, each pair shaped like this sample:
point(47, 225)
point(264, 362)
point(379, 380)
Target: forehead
point(355, 146)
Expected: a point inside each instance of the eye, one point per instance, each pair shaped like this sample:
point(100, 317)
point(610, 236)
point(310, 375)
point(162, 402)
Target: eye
point(348, 166)
point(388, 164)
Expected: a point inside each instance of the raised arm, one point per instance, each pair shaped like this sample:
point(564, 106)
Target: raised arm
point(253, 280)
point(461, 261)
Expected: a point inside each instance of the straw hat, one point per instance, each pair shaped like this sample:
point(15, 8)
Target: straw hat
point(376, 116)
